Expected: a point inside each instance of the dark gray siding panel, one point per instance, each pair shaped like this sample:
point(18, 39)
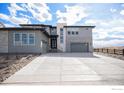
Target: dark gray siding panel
point(37, 48)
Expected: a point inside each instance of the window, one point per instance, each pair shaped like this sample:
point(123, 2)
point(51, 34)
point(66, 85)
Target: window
point(61, 31)
point(17, 37)
point(86, 28)
point(31, 39)
point(61, 35)
point(72, 33)
point(76, 33)
point(68, 32)
point(61, 39)
point(24, 39)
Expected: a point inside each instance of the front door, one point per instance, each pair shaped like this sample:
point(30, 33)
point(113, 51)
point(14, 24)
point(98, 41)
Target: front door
point(53, 43)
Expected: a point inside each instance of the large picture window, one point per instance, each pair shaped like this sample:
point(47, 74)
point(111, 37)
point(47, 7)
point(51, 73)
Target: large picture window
point(21, 39)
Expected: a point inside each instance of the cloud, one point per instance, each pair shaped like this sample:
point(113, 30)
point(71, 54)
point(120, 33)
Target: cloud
point(3, 16)
point(9, 25)
point(110, 43)
point(111, 33)
point(113, 10)
point(91, 21)
point(19, 14)
point(72, 14)
point(39, 11)
point(96, 22)
point(122, 12)
point(14, 8)
point(106, 37)
point(14, 20)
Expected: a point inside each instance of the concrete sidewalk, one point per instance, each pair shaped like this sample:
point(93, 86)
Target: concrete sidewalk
point(72, 69)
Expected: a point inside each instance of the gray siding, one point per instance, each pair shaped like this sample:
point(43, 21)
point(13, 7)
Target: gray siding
point(37, 48)
point(3, 41)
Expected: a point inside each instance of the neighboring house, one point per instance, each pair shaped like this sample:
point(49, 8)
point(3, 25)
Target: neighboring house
point(39, 38)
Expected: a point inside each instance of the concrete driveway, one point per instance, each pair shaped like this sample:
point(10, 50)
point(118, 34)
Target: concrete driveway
point(72, 69)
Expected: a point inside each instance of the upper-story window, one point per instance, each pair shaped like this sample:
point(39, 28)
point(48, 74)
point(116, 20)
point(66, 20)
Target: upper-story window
point(69, 32)
point(86, 28)
point(61, 31)
point(24, 39)
point(61, 39)
point(61, 35)
point(72, 32)
point(76, 33)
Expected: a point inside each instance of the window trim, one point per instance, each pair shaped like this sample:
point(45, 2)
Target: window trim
point(20, 33)
point(34, 38)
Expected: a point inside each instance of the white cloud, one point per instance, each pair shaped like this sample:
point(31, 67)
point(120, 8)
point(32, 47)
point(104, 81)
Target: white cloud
point(111, 43)
point(9, 25)
point(107, 32)
point(96, 22)
point(106, 37)
point(14, 20)
point(19, 20)
point(113, 10)
point(91, 21)
point(39, 11)
point(72, 15)
point(14, 8)
point(3, 16)
point(122, 12)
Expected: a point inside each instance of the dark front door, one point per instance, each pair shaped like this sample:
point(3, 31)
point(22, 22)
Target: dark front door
point(53, 42)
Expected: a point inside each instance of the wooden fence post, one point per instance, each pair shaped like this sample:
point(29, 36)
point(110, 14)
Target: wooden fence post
point(123, 52)
point(114, 51)
point(107, 50)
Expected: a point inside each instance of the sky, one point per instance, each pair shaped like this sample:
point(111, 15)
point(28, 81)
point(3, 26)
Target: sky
point(108, 18)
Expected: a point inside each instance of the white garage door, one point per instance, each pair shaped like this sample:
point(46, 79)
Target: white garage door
point(79, 47)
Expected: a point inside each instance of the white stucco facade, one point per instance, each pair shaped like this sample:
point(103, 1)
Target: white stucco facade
point(82, 34)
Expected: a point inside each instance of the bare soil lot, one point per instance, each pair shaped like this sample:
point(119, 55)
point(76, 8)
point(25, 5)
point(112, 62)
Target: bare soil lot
point(11, 63)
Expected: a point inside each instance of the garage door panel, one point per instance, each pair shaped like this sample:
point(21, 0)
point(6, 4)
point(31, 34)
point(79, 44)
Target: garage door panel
point(79, 47)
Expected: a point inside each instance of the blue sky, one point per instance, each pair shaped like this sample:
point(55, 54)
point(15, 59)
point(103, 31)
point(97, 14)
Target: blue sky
point(108, 18)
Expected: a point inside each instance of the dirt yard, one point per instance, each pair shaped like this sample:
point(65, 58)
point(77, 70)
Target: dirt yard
point(9, 64)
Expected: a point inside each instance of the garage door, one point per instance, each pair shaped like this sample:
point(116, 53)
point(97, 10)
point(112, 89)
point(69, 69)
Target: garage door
point(79, 47)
